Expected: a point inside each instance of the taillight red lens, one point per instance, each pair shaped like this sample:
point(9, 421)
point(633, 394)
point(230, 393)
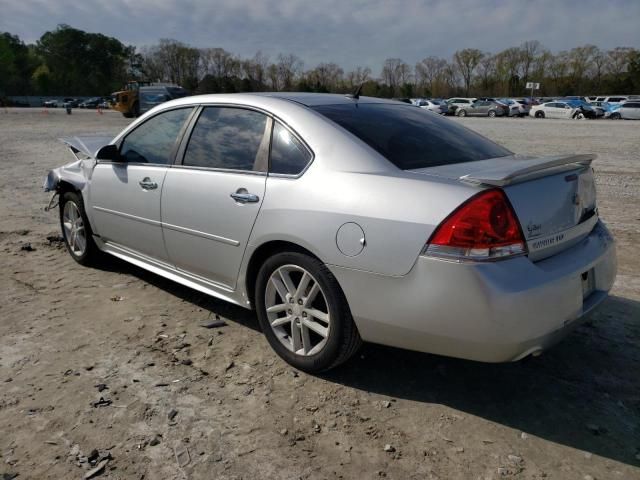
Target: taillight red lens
point(484, 227)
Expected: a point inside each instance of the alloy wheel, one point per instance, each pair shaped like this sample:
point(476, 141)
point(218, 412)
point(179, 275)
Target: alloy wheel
point(74, 229)
point(297, 310)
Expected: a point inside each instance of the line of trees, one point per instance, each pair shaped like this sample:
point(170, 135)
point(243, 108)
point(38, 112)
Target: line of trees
point(68, 61)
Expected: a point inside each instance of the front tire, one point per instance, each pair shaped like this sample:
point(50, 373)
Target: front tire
point(492, 113)
point(461, 113)
point(615, 116)
point(76, 230)
point(539, 114)
point(304, 313)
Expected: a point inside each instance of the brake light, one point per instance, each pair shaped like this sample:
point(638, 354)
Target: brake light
point(483, 228)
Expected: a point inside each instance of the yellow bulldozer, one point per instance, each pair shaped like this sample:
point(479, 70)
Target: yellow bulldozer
point(139, 96)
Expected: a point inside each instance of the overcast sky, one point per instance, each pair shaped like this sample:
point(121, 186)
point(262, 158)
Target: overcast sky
point(348, 32)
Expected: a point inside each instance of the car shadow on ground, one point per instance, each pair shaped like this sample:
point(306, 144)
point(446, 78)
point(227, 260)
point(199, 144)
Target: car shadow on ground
point(583, 393)
point(237, 314)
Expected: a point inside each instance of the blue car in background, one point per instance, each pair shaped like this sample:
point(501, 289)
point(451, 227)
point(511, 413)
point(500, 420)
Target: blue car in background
point(587, 110)
point(611, 110)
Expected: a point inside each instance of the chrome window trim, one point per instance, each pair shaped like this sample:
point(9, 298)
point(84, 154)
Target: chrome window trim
point(222, 170)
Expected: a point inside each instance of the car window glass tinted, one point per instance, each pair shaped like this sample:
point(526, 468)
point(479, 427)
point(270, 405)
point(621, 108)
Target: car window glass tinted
point(288, 155)
point(153, 141)
point(229, 138)
point(411, 137)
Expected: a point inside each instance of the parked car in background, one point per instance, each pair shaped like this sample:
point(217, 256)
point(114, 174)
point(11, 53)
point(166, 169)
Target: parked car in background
point(576, 97)
point(609, 110)
point(556, 109)
point(295, 205)
point(613, 99)
point(433, 105)
point(105, 104)
point(587, 110)
point(91, 102)
point(403, 100)
point(50, 103)
point(513, 110)
point(524, 104)
point(71, 103)
point(483, 108)
point(630, 110)
point(517, 108)
point(457, 102)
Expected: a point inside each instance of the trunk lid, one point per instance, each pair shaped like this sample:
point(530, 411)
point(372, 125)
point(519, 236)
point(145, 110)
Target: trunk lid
point(554, 197)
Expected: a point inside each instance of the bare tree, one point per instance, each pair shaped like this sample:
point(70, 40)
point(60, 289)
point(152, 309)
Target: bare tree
point(326, 76)
point(289, 68)
point(358, 76)
point(273, 77)
point(428, 72)
point(255, 69)
point(619, 59)
point(529, 51)
point(395, 73)
point(466, 62)
point(599, 64)
point(172, 61)
point(579, 61)
point(487, 71)
point(558, 67)
point(507, 66)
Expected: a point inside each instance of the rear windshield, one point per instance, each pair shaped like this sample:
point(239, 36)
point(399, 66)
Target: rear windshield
point(411, 137)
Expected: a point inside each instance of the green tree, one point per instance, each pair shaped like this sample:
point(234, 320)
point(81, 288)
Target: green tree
point(16, 65)
point(82, 63)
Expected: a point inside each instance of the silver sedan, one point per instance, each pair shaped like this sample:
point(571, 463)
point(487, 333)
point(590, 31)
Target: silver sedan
point(343, 219)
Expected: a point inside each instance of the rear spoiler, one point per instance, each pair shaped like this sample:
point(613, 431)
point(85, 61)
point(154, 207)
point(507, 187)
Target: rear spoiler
point(519, 170)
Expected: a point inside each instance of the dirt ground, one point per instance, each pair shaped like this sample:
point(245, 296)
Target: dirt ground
point(183, 401)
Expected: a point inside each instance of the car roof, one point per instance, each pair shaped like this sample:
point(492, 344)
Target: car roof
point(316, 99)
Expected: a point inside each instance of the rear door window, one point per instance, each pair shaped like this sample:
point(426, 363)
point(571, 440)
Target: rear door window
point(410, 137)
point(228, 138)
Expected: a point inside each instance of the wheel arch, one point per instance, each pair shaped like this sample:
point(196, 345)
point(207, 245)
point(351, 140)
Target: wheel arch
point(260, 254)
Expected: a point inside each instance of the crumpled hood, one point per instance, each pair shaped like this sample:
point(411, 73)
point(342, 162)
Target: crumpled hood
point(87, 144)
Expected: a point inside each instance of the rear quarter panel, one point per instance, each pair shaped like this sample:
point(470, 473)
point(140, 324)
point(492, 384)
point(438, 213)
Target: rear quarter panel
point(397, 213)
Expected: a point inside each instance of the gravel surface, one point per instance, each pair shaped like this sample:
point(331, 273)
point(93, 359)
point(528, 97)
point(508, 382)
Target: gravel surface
point(109, 370)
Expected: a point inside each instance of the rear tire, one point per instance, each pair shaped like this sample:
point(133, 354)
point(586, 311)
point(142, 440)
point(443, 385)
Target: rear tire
point(76, 230)
point(539, 114)
point(309, 325)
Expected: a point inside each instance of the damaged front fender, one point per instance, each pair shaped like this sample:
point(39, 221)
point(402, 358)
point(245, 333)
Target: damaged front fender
point(78, 172)
point(73, 173)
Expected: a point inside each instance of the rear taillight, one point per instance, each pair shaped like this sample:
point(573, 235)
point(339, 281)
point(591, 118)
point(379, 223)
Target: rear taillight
point(483, 228)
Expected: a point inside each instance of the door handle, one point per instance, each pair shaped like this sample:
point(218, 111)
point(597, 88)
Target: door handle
point(147, 184)
point(242, 196)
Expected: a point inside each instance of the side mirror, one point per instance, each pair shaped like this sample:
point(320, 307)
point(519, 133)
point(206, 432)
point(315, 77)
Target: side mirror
point(109, 153)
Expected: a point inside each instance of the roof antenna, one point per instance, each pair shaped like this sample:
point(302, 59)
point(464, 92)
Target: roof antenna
point(356, 95)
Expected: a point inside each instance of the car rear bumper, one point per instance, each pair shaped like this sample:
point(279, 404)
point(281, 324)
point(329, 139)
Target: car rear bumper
point(493, 311)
